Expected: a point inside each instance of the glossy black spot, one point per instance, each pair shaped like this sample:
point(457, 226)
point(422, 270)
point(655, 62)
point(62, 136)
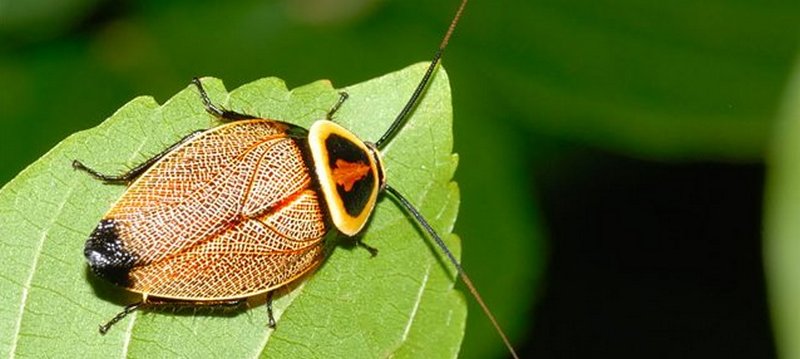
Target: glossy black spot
point(106, 254)
point(340, 148)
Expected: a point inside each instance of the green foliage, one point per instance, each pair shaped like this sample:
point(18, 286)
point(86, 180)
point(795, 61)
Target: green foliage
point(400, 303)
point(782, 225)
point(669, 80)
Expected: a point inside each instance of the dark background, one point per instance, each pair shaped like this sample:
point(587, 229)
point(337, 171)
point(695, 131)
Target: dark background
point(611, 152)
point(634, 272)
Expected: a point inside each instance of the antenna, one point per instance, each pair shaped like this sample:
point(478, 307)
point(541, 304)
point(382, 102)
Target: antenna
point(398, 123)
point(439, 242)
point(412, 102)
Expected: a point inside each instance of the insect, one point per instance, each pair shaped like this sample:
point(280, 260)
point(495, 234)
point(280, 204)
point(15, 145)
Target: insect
point(244, 208)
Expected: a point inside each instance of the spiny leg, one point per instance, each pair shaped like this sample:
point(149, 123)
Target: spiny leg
point(128, 177)
point(271, 322)
point(132, 174)
point(124, 313)
point(166, 303)
point(218, 112)
point(343, 96)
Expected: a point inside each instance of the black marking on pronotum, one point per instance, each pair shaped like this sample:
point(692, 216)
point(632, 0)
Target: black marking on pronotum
point(356, 197)
point(106, 254)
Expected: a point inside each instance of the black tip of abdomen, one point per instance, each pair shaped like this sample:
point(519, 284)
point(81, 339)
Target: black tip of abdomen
point(106, 254)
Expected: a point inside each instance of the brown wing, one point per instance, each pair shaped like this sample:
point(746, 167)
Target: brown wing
point(249, 257)
point(227, 214)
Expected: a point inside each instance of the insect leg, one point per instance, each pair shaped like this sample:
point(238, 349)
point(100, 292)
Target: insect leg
point(132, 174)
point(342, 98)
point(124, 313)
point(372, 250)
point(167, 303)
point(271, 322)
point(218, 112)
point(358, 242)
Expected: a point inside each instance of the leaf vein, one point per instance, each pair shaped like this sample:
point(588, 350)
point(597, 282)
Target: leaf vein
point(29, 279)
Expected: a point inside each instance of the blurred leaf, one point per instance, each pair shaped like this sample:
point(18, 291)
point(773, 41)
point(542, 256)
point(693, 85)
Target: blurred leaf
point(671, 80)
point(782, 223)
point(399, 303)
point(34, 20)
point(504, 250)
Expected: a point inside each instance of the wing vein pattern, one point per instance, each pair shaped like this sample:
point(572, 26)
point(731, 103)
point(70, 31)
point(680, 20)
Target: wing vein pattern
point(227, 215)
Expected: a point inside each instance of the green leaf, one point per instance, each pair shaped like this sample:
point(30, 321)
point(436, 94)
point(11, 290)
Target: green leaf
point(400, 303)
point(782, 224)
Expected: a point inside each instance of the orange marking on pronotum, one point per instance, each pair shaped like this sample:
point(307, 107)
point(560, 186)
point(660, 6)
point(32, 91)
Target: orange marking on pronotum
point(348, 173)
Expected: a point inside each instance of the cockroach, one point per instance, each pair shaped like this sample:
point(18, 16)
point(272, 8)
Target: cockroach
point(243, 208)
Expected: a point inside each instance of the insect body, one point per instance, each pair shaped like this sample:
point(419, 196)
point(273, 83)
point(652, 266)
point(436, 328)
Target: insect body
point(236, 210)
point(229, 214)
point(243, 208)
